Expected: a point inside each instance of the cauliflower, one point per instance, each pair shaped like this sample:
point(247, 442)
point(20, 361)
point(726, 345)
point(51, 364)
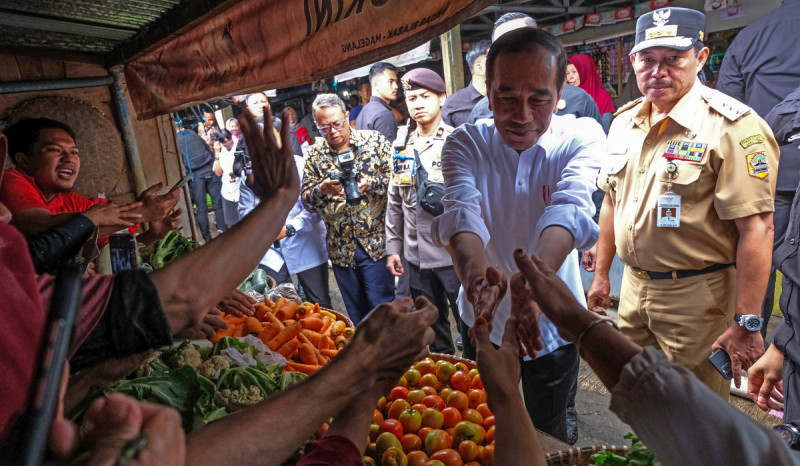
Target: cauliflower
point(187, 356)
point(145, 368)
point(211, 367)
point(233, 400)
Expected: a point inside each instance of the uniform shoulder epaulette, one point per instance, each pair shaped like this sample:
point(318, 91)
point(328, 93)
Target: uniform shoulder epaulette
point(629, 105)
point(725, 105)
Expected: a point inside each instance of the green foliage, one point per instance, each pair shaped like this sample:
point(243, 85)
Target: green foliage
point(638, 455)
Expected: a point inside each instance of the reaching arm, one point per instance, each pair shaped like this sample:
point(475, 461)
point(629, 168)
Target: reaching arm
point(598, 296)
point(554, 245)
point(278, 187)
point(753, 262)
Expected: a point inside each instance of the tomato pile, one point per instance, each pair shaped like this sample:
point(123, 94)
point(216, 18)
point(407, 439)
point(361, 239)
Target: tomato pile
point(436, 416)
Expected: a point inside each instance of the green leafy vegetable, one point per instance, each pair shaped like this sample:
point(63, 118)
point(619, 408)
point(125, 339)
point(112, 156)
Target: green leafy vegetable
point(638, 455)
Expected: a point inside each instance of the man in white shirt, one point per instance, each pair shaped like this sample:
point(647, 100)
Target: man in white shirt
point(231, 178)
point(523, 180)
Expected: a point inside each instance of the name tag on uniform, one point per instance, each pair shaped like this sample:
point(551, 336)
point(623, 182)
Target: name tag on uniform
point(669, 211)
point(685, 150)
point(404, 168)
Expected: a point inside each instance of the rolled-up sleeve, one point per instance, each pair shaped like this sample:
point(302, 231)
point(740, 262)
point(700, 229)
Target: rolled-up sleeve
point(462, 200)
point(571, 205)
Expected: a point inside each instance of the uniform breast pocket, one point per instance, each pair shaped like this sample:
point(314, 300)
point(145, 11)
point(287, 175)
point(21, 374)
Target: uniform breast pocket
point(612, 171)
point(684, 179)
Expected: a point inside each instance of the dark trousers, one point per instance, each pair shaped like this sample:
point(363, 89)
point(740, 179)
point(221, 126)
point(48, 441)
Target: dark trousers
point(315, 284)
point(403, 289)
point(231, 211)
point(364, 286)
point(440, 286)
point(780, 218)
point(199, 187)
point(546, 384)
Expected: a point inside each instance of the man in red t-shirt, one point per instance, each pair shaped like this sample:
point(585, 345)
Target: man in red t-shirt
point(38, 192)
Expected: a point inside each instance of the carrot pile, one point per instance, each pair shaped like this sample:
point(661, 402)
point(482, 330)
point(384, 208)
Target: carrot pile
point(302, 333)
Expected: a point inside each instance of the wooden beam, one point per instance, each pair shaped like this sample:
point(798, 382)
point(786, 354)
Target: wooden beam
point(78, 28)
point(63, 55)
point(452, 60)
point(172, 24)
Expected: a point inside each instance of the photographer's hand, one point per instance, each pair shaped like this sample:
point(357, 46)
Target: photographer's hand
point(331, 187)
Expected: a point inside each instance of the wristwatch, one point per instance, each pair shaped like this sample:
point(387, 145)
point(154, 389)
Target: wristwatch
point(789, 434)
point(290, 231)
point(750, 322)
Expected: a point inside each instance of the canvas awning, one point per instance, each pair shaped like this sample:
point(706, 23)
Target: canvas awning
point(259, 44)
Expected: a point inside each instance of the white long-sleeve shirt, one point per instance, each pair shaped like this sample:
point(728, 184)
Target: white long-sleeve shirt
point(508, 199)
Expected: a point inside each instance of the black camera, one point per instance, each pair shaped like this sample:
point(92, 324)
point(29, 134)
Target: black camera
point(348, 177)
point(241, 163)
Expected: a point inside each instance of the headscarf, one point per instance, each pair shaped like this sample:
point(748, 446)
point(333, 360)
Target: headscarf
point(591, 83)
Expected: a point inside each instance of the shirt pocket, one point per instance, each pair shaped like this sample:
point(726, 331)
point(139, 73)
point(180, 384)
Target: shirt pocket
point(613, 171)
point(685, 179)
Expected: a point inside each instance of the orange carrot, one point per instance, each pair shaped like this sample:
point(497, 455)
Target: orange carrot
point(252, 325)
point(270, 330)
point(336, 328)
point(288, 333)
point(307, 354)
point(304, 368)
point(315, 338)
point(326, 321)
point(312, 323)
point(221, 332)
point(340, 342)
point(261, 310)
point(238, 332)
point(304, 339)
point(271, 318)
point(287, 311)
point(329, 352)
point(288, 348)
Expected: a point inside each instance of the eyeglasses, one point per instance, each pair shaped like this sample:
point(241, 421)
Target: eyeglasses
point(336, 125)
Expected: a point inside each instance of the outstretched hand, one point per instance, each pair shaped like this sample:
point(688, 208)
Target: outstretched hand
point(551, 294)
point(273, 163)
point(486, 293)
point(499, 367)
point(526, 313)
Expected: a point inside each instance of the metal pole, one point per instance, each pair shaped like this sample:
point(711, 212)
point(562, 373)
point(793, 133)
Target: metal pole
point(452, 60)
point(125, 124)
point(13, 87)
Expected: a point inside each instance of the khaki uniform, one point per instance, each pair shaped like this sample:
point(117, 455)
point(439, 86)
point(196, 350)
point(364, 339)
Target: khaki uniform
point(727, 162)
point(408, 226)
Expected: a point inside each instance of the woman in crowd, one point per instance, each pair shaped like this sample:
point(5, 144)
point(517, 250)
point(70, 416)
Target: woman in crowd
point(582, 72)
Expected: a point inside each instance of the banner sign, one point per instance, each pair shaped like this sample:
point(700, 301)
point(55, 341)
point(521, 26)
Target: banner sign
point(256, 45)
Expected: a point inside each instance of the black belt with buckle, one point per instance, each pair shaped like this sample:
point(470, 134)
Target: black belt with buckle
point(647, 275)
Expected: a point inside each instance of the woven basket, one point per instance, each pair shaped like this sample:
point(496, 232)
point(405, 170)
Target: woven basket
point(582, 456)
point(454, 359)
point(339, 316)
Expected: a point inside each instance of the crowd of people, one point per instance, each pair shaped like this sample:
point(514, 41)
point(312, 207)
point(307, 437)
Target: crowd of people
point(480, 209)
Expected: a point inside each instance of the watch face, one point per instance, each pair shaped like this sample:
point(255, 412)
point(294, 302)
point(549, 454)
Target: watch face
point(752, 323)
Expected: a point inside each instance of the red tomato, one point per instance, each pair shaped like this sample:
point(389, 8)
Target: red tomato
point(428, 390)
point(426, 366)
point(448, 456)
point(458, 400)
point(396, 408)
point(419, 407)
point(377, 417)
point(429, 380)
point(411, 421)
point(436, 440)
point(476, 397)
point(476, 382)
point(487, 456)
point(473, 463)
point(417, 458)
point(424, 432)
point(398, 393)
point(434, 401)
point(468, 450)
point(411, 443)
point(415, 396)
point(460, 381)
point(392, 426)
point(433, 418)
point(490, 435)
point(452, 416)
point(488, 422)
point(472, 416)
point(483, 408)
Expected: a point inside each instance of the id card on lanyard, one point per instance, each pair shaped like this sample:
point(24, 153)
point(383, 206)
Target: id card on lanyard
point(669, 204)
